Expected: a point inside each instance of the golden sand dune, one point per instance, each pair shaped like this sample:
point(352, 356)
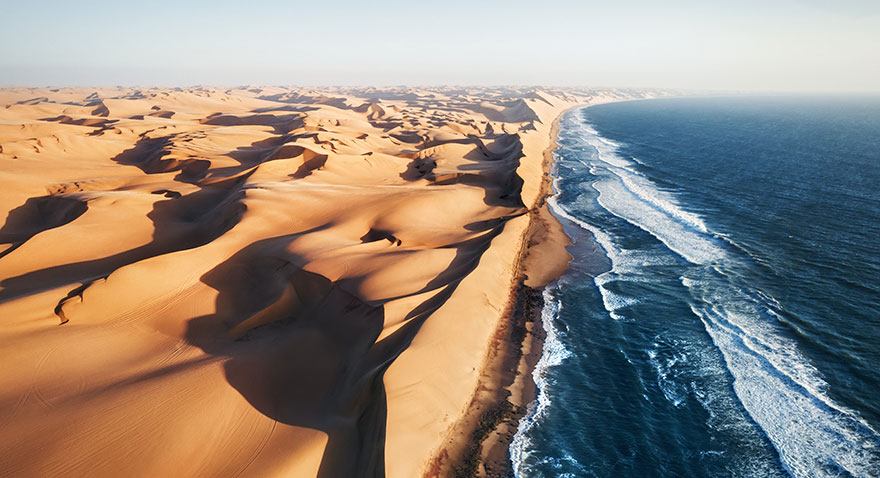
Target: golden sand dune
point(261, 281)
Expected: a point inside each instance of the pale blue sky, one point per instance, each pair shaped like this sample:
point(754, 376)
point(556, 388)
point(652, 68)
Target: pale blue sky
point(806, 45)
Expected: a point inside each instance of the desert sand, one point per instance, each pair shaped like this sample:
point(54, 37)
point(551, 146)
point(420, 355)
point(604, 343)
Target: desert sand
point(262, 281)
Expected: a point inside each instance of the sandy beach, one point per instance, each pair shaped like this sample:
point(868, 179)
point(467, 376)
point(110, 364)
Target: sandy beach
point(271, 281)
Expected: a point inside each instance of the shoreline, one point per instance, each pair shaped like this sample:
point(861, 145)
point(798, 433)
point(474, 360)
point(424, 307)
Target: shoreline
point(493, 418)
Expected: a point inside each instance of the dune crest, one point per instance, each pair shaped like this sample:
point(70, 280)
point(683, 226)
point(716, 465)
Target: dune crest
point(259, 281)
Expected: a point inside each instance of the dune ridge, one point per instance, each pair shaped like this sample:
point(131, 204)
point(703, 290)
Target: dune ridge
point(262, 281)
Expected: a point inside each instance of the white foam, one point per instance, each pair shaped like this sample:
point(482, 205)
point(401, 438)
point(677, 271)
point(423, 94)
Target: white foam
point(611, 300)
point(627, 194)
point(786, 395)
point(674, 392)
point(639, 186)
point(553, 354)
point(614, 302)
point(687, 241)
point(559, 465)
point(602, 238)
point(687, 282)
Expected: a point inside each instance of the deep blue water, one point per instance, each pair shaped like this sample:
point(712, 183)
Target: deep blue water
point(722, 313)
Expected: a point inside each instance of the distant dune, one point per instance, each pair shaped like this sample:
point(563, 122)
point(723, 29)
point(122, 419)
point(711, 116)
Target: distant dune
point(263, 281)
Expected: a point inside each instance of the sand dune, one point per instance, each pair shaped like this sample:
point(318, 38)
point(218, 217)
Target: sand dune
point(261, 281)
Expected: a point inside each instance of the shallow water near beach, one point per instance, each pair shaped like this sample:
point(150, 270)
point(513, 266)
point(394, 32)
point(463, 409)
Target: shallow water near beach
point(721, 316)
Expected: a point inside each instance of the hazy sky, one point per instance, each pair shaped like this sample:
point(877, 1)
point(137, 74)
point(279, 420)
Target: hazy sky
point(737, 44)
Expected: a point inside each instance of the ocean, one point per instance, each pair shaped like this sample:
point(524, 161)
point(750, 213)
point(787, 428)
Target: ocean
point(721, 316)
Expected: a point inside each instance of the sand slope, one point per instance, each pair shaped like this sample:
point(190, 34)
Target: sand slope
point(255, 281)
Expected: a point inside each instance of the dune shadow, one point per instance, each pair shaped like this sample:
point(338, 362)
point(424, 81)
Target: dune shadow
point(36, 215)
point(280, 124)
point(148, 156)
point(308, 359)
point(493, 168)
point(180, 222)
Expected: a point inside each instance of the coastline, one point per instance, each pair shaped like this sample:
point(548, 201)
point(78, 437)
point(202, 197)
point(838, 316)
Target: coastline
point(507, 386)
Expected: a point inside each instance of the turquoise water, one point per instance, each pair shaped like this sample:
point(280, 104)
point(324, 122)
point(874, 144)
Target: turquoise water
point(722, 314)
